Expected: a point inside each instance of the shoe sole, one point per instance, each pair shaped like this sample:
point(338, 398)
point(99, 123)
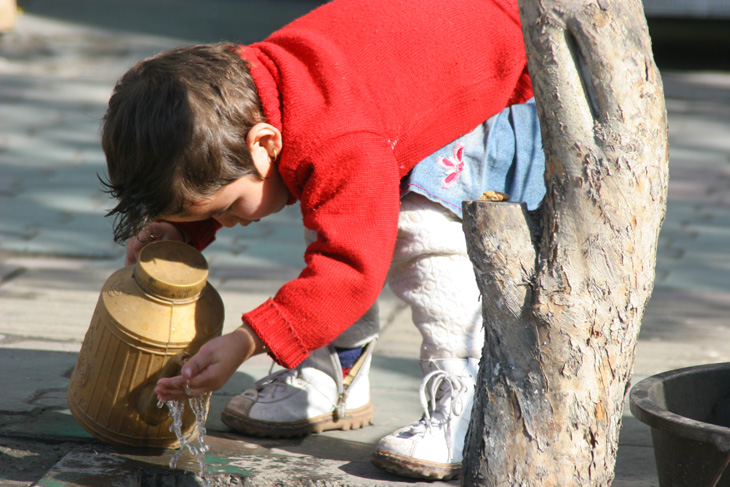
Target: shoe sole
point(414, 468)
point(354, 419)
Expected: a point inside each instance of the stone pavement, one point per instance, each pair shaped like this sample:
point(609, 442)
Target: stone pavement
point(57, 69)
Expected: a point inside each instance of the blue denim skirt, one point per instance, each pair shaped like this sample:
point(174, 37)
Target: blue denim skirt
point(502, 154)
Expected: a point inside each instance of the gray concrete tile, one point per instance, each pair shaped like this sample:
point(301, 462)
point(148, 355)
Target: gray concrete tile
point(8, 272)
point(25, 385)
point(696, 274)
point(635, 467)
point(50, 424)
point(63, 242)
point(19, 213)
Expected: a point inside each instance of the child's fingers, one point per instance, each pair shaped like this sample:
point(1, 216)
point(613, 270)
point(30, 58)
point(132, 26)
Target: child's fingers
point(177, 382)
point(206, 380)
point(195, 365)
point(154, 231)
point(170, 386)
point(206, 373)
point(133, 248)
point(170, 394)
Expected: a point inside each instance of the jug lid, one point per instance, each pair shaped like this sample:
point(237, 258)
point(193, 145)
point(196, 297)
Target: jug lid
point(171, 269)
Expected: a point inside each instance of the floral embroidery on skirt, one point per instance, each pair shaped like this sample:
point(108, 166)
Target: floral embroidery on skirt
point(502, 154)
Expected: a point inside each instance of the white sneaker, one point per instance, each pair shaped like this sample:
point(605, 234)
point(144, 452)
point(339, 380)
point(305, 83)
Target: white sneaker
point(311, 398)
point(432, 448)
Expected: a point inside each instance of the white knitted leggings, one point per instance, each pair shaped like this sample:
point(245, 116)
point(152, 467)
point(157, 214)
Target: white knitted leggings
point(432, 273)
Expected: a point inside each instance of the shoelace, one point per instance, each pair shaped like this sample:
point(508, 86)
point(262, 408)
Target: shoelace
point(431, 392)
point(430, 388)
point(276, 379)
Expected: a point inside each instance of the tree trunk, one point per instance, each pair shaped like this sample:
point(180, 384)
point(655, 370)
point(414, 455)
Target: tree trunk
point(564, 290)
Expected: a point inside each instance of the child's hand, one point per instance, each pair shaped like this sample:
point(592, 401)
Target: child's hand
point(210, 368)
point(154, 231)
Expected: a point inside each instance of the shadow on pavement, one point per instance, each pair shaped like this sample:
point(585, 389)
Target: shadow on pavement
point(195, 21)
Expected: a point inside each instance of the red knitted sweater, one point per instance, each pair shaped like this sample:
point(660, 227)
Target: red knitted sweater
point(362, 91)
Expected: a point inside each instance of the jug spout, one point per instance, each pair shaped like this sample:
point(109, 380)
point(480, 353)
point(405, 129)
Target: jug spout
point(148, 406)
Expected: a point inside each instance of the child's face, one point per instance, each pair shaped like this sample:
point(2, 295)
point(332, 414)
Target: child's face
point(241, 202)
point(247, 199)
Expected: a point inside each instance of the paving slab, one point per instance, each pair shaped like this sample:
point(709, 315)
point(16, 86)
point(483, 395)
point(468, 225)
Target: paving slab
point(234, 463)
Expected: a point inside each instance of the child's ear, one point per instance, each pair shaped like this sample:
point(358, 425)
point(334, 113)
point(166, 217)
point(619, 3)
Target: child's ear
point(263, 136)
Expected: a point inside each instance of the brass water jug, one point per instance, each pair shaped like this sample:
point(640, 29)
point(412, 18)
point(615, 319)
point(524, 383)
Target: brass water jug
point(149, 318)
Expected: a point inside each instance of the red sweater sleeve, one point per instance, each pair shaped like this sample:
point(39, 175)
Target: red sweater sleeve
point(354, 208)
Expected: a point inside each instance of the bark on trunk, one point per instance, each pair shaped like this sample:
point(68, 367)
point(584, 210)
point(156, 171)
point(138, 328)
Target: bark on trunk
point(564, 290)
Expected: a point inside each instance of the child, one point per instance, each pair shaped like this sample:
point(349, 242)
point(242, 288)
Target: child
point(379, 117)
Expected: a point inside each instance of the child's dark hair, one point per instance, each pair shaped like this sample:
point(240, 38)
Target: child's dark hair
point(176, 128)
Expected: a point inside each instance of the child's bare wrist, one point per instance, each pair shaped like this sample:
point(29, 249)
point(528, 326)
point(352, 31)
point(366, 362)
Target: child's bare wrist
point(255, 344)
